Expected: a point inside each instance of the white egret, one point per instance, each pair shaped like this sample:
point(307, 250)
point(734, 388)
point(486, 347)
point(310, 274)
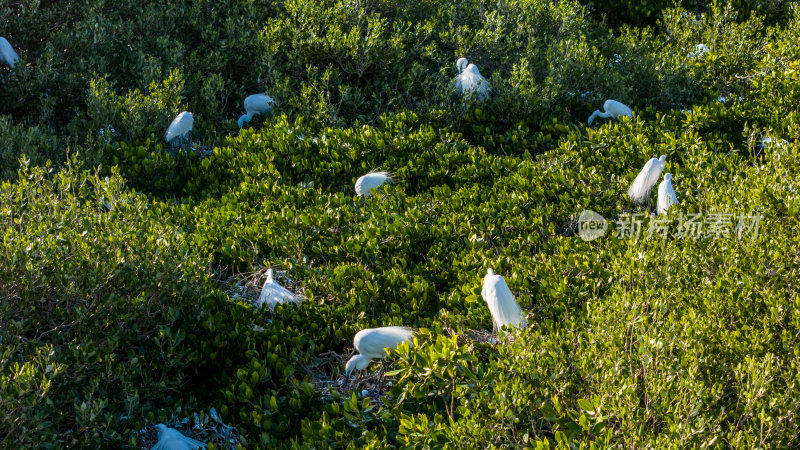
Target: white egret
point(666, 195)
point(172, 439)
point(699, 50)
point(366, 183)
point(371, 343)
point(273, 294)
point(256, 104)
point(470, 81)
point(613, 109)
point(767, 141)
point(504, 308)
point(180, 127)
point(647, 178)
point(7, 53)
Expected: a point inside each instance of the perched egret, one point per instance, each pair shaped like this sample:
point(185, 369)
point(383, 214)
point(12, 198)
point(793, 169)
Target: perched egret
point(470, 81)
point(371, 344)
point(273, 294)
point(504, 308)
point(366, 183)
point(647, 178)
point(613, 109)
point(172, 439)
point(666, 194)
point(699, 50)
point(766, 141)
point(7, 53)
point(256, 104)
point(180, 127)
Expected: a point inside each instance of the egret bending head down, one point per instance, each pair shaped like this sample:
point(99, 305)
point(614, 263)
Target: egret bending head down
point(461, 64)
point(172, 439)
point(371, 343)
point(504, 308)
point(647, 178)
point(613, 109)
point(256, 104)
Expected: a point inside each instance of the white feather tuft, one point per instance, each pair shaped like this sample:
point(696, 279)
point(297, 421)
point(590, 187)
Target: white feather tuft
point(172, 439)
point(366, 183)
point(647, 178)
point(180, 127)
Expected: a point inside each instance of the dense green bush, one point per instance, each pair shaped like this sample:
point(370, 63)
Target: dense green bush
point(127, 263)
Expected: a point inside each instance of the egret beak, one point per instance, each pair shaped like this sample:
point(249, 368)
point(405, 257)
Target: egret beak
point(346, 379)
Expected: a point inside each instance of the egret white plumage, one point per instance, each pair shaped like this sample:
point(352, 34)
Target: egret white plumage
point(172, 439)
point(647, 178)
point(613, 109)
point(7, 53)
point(666, 195)
point(180, 126)
point(371, 343)
point(366, 183)
point(273, 294)
point(699, 50)
point(504, 308)
point(256, 104)
point(470, 81)
point(766, 141)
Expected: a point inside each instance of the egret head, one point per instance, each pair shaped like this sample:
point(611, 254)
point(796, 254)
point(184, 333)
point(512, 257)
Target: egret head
point(461, 64)
point(357, 362)
point(662, 158)
point(668, 177)
point(490, 272)
point(243, 119)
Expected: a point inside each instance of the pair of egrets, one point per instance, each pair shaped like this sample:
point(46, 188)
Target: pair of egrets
point(254, 105)
point(647, 178)
point(373, 342)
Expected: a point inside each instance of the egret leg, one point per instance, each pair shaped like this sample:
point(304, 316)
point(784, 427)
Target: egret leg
point(382, 378)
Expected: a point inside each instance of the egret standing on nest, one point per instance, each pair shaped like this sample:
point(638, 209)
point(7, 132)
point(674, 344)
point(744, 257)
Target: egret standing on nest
point(256, 104)
point(366, 183)
point(180, 127)
point(699, 50)
point(371, 343)
point(273, 294)
point(647, 178)
point(172, 439)
point(613, 109)
point(504, 308)
point(666, 195)
point(7, 53)
point(470, 81)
